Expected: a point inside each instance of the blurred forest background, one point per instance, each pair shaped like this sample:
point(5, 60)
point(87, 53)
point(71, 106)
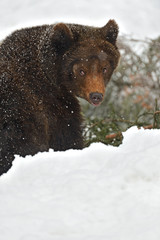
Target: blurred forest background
point(132, 96)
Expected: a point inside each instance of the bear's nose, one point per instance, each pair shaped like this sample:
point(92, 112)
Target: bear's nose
point(96, 98)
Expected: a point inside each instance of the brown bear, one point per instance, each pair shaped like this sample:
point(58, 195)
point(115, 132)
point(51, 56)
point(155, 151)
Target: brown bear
point(42, 71)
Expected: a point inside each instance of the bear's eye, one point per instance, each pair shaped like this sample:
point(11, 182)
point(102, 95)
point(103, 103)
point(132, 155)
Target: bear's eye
point(81, 72)
point(104, 70)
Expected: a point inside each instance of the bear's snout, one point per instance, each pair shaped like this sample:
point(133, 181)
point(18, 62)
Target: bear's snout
point(96, 98)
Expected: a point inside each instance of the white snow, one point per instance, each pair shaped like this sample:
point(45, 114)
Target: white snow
point(139, 18)
point(99, 193)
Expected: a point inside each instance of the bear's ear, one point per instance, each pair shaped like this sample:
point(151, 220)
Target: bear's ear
point(110, 31)
point(62, 37)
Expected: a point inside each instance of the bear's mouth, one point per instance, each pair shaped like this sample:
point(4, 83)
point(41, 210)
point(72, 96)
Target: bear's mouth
point(96, 104)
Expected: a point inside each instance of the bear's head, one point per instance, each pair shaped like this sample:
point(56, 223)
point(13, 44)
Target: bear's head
point(85, 58)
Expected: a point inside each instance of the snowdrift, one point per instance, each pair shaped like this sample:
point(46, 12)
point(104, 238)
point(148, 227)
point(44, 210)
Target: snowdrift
point(99, 193)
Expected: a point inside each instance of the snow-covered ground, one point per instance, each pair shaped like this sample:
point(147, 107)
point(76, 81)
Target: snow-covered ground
point(99, 193)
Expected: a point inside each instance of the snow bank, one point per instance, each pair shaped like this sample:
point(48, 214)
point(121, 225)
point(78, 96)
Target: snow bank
point(99, 193)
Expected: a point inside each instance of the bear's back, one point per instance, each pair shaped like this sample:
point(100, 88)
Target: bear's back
point(21, 43)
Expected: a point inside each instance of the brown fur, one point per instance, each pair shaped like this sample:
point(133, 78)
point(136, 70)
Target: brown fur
point(42, 70)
